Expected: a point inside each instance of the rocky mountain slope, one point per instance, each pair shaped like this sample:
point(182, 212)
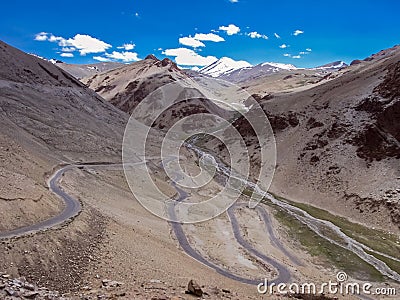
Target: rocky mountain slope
point(81, 71)
point(128, 86)
point(47, 117)
point(336, 65)
point(288, 81)
point(51, 107)
point(337, 146)
point(338, 143)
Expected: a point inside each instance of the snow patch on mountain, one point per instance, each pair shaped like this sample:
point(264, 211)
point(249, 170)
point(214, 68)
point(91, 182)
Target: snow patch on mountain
point(280, 66)
point(224, 66)
point(332, 66)
point(52, 60)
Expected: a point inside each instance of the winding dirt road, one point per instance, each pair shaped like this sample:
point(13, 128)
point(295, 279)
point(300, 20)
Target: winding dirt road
point(72, 208)
point(283, 272)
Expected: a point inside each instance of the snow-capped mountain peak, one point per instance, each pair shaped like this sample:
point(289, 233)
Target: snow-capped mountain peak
point(280, 66)
point(240, 71)
point(251, 72)
point(334, 65)
point(224, 66)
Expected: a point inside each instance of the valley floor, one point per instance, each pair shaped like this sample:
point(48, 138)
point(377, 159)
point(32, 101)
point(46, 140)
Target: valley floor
point(115, 238)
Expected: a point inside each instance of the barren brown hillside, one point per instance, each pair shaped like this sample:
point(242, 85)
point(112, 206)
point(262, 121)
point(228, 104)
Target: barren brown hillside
point(47, 118)
point(111, 249)
point(338, 143)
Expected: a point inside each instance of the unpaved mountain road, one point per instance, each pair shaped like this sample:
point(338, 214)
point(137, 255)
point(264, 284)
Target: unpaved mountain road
point(73, 207)
point(282, 271)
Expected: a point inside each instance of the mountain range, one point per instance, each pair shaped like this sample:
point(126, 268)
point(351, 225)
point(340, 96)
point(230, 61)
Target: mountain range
point(224, 68)
point(338, 141)
point(240, 71)
point(334, 124)
point(336, 130)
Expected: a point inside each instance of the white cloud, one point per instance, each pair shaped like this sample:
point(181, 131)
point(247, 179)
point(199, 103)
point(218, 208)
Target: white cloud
point(87, 44)
point(191, 42)
point(101, 58)
point(296, 56)
point(188, 57)
point(283, 46)
point(287, 55)
point(277, 35)
point(256, 35)
point(233, 1)
point(196, 41)
point(123, 56)
point(210, 37)
point(297, 32)
point(309, 49)
point(82, 42)
point(136, 14)
point(68, 54)
point(68, 49)
point(127, 47)
point(41, 36)
point(61, 41)
point(231, 29)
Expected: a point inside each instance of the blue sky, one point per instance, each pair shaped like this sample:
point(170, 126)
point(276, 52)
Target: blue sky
point(314, 32)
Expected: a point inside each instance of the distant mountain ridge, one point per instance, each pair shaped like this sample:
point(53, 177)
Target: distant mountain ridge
point(332, 66)
point(338, 141)
point(263, 69)
point(224, 68)
point(240, 71)
point(81, 71)
point(125, 87)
